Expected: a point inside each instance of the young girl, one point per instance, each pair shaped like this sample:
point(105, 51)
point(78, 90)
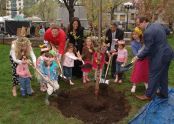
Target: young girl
point(68, 61)
point(140, 70)
point(49, 70)
point(87, 53)
point(122, 56)
point(99, 58)
point(24, 77)
point(40, 60)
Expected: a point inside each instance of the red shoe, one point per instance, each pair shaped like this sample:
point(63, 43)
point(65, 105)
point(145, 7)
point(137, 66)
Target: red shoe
point(143, 97)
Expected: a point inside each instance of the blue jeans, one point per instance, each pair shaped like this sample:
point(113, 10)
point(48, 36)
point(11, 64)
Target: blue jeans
point(25, 86)
point(67, 71)
point(118, 67)
point(118, 70)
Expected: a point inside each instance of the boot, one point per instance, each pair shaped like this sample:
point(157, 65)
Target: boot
point(14, 91)
point(71, 83)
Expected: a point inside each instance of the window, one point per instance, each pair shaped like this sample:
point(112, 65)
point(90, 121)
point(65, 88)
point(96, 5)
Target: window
point(132, 16)
point(122, 18)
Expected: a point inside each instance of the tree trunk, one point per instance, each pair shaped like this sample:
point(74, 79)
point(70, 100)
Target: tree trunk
point(112, 13)
point(71, 14)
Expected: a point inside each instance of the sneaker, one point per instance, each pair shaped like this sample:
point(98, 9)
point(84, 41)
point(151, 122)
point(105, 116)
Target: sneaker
point(32, 91)
point(71, 83)
point(116, 80)
point(107, 82)
point(120, 81)
point(133, 89)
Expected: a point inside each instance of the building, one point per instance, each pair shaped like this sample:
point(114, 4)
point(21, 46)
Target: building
point(16, 7)
point(123, 16)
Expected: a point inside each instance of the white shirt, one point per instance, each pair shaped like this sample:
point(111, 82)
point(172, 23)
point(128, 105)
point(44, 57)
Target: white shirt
point(113, 41)
point(69, 59)
point(13, 55)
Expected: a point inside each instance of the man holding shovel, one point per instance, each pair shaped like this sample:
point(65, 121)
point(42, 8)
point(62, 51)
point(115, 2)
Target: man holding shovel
point(160, 55)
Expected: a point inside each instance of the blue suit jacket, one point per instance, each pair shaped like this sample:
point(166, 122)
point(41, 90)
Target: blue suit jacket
point(156, 46)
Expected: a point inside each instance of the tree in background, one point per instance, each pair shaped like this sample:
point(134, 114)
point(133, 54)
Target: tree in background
point(112, 6)
point(69, 4)
point(156, 9)
point(45, 9)
point(3, 7)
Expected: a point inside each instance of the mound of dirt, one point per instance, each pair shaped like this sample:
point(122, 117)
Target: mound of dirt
point(107, 108)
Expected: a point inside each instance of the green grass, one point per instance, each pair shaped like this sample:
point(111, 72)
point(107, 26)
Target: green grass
point(18, 110)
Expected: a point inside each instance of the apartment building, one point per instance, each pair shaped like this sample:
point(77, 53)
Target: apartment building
point(14, 7)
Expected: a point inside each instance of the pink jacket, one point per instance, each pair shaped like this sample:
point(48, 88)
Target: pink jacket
point(23, 71)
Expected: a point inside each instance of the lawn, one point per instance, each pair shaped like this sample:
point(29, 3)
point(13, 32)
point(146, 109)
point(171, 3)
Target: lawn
point(18, 110)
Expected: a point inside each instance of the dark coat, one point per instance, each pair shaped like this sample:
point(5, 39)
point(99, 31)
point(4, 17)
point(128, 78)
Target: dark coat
point(160, 55)
point(78, 43)
point(119, 35)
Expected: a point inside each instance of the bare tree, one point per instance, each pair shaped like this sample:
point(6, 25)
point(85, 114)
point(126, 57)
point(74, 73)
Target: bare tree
point(69, 4)
point(112, 5)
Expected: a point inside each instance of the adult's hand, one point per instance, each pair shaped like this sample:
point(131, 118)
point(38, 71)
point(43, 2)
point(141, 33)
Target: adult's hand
point(134, 59)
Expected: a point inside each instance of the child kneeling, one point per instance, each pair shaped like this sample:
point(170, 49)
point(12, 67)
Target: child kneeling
point(49, 69)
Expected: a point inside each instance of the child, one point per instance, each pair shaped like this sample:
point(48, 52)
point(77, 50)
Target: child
point(122, 56)
point(24, 77)
point(68, 61)
point(99, 58)
point(44, 49)
point(140, 70)
point(87, 53)
point(49, 70)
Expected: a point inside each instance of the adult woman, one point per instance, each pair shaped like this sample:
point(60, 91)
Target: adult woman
point(19, 47)
point(75, 36)
point(57, 38)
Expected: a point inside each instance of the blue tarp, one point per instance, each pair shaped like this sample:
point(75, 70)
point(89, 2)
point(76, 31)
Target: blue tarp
point(158, 111)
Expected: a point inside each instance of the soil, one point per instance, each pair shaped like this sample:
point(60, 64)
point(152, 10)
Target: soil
point(108, 108)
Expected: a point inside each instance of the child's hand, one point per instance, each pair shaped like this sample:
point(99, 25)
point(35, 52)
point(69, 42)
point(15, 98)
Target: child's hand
point(107, 63)
point(123, 65)
point(114, 53)
point(134, 59)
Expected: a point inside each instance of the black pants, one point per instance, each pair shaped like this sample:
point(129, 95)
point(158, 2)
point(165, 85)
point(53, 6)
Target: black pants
point(14, 74)
point(113, 67)
point(76, 71)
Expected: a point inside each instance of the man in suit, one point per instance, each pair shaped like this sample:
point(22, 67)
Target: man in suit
point(160, 55)
point(111, 35)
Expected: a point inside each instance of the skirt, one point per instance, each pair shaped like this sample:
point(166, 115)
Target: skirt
point(14, 74)
point(140, 71)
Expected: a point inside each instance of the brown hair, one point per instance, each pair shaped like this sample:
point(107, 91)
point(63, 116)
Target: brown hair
point(54, 26)
point(142, 19)
point(70, 45)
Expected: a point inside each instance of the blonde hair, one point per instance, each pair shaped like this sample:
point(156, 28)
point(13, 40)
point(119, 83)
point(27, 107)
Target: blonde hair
point(89, 38)
point(19, 43)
